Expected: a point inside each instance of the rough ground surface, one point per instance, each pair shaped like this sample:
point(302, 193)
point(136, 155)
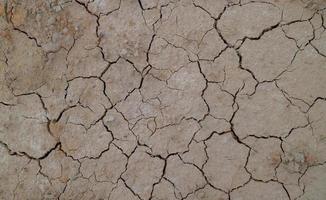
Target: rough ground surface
point(163, 99)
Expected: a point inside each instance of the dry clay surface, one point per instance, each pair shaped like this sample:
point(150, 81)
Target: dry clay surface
point(163, 99)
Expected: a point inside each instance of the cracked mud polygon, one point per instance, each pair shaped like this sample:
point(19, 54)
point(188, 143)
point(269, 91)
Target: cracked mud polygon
point(163, 99)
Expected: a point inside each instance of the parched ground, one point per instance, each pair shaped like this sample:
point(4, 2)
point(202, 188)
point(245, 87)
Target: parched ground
point(163, 99)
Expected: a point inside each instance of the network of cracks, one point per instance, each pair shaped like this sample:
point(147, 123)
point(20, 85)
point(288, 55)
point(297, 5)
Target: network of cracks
point(163, 99)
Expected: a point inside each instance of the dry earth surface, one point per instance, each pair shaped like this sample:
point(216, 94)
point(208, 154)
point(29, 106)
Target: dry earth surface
point(163, 99)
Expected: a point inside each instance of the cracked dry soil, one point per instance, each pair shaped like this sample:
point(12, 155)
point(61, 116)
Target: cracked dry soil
point(163, 99)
